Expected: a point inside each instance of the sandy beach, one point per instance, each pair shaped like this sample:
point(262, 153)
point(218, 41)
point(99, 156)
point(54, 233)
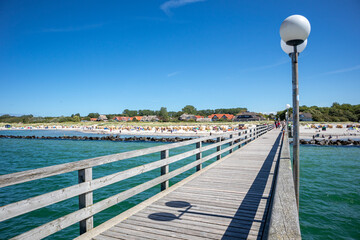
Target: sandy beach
point(306, 132)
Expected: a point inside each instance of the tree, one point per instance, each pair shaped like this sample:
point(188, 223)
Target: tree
point(76, 118)
point(163, 114)
point(189, 109)
point(93, 115)
point(130, 113)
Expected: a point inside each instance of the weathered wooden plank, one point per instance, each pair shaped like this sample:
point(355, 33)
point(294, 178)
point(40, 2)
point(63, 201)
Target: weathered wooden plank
point(115, 234)
point(104, 237)
point(160, 232)
point(200, 227)
point(141, 231)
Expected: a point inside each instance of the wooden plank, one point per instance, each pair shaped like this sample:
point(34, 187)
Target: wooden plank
point(115, 234)
point(141, 231)
point(201, 228)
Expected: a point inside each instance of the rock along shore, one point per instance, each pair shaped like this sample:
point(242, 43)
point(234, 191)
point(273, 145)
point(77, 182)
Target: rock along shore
point(109, 138)
point(329, 142)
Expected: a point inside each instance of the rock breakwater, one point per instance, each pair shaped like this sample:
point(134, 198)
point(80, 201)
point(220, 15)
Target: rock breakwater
point(116, 138)
point(331, 142)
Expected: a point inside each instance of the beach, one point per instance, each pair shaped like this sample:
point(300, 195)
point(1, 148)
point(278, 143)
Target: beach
point(307, 131)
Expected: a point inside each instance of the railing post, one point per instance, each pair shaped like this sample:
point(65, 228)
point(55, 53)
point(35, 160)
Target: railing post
point(85, 200)
point(164, 169)
point(218, 149)
point(231, 143)
point(239, 140)
point(199, 156)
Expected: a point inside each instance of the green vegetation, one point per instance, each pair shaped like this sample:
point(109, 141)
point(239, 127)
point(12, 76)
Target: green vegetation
point(336, 113)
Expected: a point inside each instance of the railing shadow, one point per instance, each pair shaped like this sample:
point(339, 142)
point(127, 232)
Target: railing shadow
point(253, 197)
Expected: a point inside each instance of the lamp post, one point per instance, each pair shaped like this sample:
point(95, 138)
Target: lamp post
point(287, 117)
point(294, 32)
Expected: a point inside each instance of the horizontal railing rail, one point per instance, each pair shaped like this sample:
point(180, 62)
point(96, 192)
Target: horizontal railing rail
point(86, 185)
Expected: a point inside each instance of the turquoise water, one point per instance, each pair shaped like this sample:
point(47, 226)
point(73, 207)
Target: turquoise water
point(329, 192)
point(329, 200)
point(24, 154)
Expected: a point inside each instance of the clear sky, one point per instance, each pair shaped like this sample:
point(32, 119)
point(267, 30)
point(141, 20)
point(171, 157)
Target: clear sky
point(64, 57)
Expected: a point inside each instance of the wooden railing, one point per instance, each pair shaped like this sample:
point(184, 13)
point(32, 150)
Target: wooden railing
point(283, 217)
point(86, 184)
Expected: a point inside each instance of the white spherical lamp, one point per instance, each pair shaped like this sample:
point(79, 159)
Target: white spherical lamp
point(287, 106)
point(294, 30)
point(290, 49)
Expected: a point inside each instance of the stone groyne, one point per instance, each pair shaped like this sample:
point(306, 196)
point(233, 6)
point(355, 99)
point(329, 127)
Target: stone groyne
point(108, 138)
point(331, 142)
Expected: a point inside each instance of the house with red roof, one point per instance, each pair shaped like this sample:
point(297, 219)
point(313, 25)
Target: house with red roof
point(138, 118)
point(216, 117)
point(122, 119)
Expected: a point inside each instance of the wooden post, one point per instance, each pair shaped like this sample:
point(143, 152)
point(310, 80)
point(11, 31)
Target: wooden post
point(85, 200)
point(231, 143)
point(218, 149)
point(164, 169)
point(239, 140)
point(199, 156)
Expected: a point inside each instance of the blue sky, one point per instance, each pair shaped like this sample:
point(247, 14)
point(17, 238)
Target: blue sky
point(64, 57)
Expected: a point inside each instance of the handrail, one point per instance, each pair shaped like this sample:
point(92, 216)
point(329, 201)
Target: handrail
point(283, 218)
point(87, 185)
point(34, 174)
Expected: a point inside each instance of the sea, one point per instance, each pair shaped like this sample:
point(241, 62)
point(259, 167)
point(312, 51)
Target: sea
point(329, 182)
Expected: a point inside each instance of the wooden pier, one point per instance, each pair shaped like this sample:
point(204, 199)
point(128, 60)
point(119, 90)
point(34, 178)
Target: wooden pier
point(233, 198)
point(229, 200)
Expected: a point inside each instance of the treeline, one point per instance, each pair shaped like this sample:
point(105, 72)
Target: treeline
point(336, 113)
point(162, 113)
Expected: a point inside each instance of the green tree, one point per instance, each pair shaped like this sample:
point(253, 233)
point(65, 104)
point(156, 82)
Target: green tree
point(189, 109)
point(130, 113)
point(163, 114)
point(76, 118)
point(93, 115)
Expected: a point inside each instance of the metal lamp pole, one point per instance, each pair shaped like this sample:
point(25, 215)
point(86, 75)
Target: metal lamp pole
point(296, 141)
point(294, 32)
point(287, 117)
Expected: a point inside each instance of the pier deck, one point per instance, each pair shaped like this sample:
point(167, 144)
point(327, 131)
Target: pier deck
point(227, 200)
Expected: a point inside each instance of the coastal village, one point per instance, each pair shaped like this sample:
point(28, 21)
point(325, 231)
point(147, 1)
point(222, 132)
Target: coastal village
point(242, 117)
